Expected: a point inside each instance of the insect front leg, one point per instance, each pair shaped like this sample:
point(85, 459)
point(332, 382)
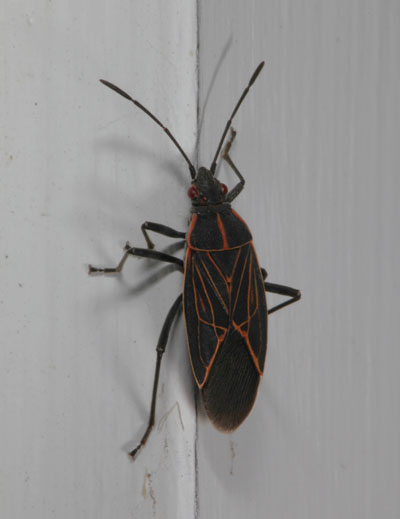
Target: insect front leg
point(282, 290)
point(135, 251)
point(162, 343)
point(160, 229)
point(233, 193)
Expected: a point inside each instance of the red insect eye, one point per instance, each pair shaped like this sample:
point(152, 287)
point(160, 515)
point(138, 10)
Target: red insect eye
point(193, 192)
point(224, 189)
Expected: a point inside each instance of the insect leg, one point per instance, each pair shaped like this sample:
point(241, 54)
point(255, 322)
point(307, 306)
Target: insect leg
point(162, 342)
point(233, 193)
point(282, 290)
point(160, 229)
point(143, 253)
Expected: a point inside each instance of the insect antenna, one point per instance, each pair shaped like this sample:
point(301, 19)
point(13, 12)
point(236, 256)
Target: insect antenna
point(229, 122)
point(139, 105)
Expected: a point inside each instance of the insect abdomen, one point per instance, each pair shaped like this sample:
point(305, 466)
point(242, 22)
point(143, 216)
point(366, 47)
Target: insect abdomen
point(232, 384)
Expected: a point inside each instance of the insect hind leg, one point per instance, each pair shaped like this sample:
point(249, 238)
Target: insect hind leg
point(161, 345)
point(293, 293)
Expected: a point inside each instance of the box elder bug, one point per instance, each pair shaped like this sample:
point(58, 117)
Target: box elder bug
point(223, 298)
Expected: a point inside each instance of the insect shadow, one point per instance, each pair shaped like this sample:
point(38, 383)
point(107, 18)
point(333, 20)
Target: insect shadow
point(214, 76)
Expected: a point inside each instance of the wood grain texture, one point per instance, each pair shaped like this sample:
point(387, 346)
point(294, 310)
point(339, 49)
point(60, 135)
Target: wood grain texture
point(318, 144)
point(81, 169)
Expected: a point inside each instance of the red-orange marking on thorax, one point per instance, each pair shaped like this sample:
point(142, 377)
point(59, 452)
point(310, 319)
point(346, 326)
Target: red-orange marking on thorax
point(222, 231)
point(192, 224)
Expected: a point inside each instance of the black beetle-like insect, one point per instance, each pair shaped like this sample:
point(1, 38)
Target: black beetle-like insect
point(224, 289)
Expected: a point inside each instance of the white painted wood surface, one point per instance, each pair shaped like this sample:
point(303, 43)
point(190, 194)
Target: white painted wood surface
point(318, 144)
point(81, 169)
